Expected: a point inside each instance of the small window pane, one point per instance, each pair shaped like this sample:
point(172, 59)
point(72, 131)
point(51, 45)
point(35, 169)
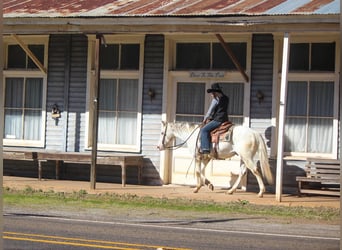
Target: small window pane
point(106, 127)
point(299, 57)
point(38, 51)
point(190, 98)
point(130, 56)
point(297, 99)
point(16, 57)
point(235, 93)
point(127, 122)
point(32, 124)
point(13, 124)
point(295, 134)
point(323, 56)
point(128, 95)
point(33, 93)
point(221, 60)
point(321, 99)
point(107, 95)
point(319, 130)
point(193, 56)
point(109, 57)
point(14, 92)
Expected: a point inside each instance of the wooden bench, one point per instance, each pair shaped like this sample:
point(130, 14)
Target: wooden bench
point(324, 173)
point(123, 160)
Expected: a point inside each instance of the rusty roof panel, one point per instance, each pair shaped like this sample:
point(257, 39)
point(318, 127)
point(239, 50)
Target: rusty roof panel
point(205, 6)
point(313, 5)
point(264, 6)
point(167, 8)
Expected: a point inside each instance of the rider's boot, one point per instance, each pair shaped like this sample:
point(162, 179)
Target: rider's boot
point(204, 156)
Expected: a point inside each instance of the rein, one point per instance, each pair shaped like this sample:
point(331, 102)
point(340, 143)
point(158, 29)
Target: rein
point(177, 146)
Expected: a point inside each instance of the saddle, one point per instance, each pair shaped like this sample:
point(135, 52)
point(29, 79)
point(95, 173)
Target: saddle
point(223, 133)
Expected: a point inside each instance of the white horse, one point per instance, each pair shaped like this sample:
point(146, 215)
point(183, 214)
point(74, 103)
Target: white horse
point(244, 142)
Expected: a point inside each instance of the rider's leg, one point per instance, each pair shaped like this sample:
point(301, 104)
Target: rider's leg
point(205, 135)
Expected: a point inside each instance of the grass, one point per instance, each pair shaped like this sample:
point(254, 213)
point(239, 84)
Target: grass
point(132, 203)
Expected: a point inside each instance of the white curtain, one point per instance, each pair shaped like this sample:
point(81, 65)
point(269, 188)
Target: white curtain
point(309, 117)
point(190, 102)
point(23, 111)
point(235, 93)
point(118, 110)
point(128, 110)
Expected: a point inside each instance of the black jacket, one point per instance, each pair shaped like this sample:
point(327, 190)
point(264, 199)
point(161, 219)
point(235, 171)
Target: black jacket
point(220, 112)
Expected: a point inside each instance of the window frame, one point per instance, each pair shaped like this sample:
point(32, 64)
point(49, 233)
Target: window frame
point(311, 76)
point(28, 73)
point(227, 76)
point(114, 74)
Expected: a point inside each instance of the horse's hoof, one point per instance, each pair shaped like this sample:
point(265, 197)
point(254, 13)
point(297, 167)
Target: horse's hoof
point(196, 190)
point(230, 191)
point(260, 195)
point(211, 186)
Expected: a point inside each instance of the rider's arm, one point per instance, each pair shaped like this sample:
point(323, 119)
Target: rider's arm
point(212, 106)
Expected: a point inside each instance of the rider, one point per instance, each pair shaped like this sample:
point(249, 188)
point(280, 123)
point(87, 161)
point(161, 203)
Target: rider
point(216, 115)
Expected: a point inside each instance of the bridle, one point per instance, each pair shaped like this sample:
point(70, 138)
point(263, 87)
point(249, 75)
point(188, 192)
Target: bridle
point(174, 147)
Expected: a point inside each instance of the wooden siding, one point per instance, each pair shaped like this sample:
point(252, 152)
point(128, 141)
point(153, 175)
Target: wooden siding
point(67, 88)
point(57, 77)
point(77, 95)
point(152, 109)
point(261, 80)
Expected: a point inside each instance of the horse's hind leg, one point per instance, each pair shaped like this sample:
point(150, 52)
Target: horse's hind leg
point(238, 180)
point(255, 171)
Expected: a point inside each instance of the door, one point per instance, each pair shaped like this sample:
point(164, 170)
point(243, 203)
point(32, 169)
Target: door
point(190, 104)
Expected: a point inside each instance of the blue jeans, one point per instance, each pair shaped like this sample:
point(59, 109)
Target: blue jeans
point(205, 134)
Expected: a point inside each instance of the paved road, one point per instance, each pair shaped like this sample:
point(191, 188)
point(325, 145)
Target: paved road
point(34, 230)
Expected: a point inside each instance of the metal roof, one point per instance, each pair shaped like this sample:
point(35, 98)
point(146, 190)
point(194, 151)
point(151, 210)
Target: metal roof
point(166, 8)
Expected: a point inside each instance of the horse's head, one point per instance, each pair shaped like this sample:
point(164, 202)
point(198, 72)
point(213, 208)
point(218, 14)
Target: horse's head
point(166, 136)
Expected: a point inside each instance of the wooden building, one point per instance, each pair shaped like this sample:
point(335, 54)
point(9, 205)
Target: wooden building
point(157, 59)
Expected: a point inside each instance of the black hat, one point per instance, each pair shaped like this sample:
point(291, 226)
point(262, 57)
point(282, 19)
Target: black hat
point(215, 87)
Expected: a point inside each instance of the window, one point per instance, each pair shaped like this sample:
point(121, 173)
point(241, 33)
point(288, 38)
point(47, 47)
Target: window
point(199, 56)
point(309, 117)
point(312, 57)
point(23, 108)
point(191, 101)
point(120, 57)
point(118, 108)
point(311, 111)
point(24, 88)
point(120, 88)
point(17, 58)
point(235, 92)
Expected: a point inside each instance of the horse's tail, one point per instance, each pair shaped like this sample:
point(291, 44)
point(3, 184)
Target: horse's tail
point(264, 164)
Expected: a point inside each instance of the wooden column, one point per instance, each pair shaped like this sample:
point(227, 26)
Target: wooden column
point(95, 113)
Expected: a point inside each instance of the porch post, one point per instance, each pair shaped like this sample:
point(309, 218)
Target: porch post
point(282, 109)
point(95, 110)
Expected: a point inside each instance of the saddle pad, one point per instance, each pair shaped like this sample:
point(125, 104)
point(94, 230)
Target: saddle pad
point(222, 133)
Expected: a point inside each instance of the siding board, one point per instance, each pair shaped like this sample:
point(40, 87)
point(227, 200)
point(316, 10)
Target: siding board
point(152, 109)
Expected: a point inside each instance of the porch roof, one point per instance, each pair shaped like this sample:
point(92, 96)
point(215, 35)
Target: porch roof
point(163, 16)
point(166, 8)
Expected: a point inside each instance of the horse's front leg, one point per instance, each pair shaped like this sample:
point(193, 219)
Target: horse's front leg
point(198, 166)
point(200, 173)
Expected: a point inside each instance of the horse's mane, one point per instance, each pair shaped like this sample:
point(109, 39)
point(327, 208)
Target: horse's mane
point(186, 126)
